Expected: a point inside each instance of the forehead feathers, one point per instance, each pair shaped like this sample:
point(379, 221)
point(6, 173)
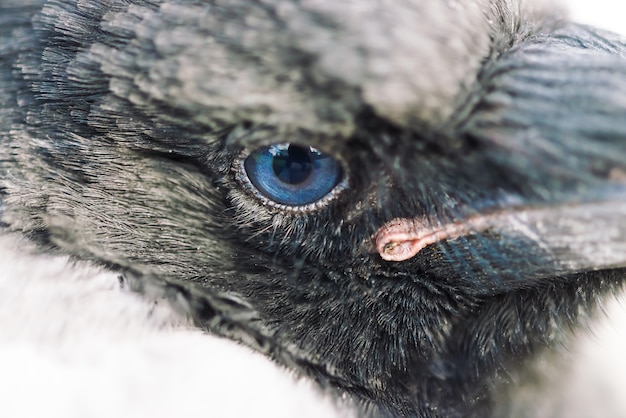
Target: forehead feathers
point(310, 65)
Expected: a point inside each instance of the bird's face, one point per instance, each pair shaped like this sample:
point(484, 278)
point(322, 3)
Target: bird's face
point(410, 197)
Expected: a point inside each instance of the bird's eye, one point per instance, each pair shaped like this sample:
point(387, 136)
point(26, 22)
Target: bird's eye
point(293, 175)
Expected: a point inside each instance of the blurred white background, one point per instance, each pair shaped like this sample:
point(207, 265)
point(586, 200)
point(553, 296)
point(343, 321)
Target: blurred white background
point(608, 14)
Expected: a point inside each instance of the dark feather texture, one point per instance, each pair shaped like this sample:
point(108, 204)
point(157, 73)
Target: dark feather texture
point(123, 126)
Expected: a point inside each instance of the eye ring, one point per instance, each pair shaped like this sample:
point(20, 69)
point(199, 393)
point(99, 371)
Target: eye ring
point(291, 177)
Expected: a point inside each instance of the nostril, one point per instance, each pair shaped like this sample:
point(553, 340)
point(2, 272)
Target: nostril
point(398, 250)
point(403, 238)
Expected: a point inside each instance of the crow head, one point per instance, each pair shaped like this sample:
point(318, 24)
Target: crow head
point(405, 201)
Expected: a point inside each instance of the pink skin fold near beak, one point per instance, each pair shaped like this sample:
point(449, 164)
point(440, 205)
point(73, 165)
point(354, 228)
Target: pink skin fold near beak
point(403, 238)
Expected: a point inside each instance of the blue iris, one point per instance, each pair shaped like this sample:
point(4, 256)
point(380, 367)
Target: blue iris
point(292, 175)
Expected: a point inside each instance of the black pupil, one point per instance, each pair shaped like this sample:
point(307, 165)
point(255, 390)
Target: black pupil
point(293, 165)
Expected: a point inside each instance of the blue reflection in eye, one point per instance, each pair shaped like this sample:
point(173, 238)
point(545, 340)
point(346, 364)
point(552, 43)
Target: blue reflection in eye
point(292, 175)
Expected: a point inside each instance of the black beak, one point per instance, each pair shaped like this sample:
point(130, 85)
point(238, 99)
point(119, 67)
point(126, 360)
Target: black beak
point(517, 244)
